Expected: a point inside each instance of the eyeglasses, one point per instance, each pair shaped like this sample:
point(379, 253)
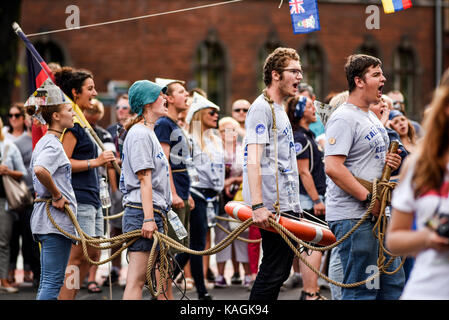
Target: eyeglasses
point(296, 72)
point(121, 107)
point(240, 109)
point(213, 112)
point(15, 115)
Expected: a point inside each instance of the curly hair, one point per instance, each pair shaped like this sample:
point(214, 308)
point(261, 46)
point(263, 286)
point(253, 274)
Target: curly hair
point(68, 78)
point(276, 61)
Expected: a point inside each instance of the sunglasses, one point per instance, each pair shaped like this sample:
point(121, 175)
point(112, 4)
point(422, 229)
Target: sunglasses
point(240, 110)
point(213, 112)
point(14, 115)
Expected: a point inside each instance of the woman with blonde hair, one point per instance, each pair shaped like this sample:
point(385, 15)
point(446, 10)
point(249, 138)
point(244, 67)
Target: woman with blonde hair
point(423, 194)
point(208, 160)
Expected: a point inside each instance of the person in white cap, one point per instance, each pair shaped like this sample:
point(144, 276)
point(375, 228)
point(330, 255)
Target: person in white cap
point(208, 160)
point(177, 148)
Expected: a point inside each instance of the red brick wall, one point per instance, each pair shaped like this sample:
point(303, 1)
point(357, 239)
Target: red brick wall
point(165, 45)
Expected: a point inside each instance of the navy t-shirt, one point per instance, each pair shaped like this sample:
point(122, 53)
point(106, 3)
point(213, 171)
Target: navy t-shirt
point(305, 147)
point(85, 183)
point(167, 131)
point(394, 136)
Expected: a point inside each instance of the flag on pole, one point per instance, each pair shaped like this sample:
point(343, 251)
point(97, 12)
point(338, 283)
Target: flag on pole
point(391, 6)
point(38, 72)
point(304, 15)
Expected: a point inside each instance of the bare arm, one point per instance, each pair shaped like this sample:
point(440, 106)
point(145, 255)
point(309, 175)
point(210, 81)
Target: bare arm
point(45, 178)
point(146, 190)
point(69, 142)
point(309, 185)
point(342, 177)
point(402, 240)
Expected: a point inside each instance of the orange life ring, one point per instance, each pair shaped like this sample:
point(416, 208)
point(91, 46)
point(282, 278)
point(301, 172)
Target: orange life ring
point(303, 229)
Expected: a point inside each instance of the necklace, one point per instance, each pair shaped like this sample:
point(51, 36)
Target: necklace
point(60, 132)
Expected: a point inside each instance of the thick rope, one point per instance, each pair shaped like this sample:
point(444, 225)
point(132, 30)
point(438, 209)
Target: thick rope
point(165, 242)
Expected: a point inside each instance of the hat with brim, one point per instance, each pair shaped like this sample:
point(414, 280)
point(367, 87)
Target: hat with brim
point(394, 113)
point(166, 82)
point(199, 103)
point(143, 92)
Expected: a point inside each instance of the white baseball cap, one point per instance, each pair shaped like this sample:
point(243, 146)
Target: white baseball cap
point(199, 102)
point(166, 82)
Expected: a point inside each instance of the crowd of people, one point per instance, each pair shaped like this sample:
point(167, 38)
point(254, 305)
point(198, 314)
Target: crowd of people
point(179, 159)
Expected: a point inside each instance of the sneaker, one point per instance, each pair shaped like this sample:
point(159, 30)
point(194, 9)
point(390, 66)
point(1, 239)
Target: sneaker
point(247, 282)
point(236, 279)
point(205, 296)
point(220, 282)
point(294, 281)
point(6, 287)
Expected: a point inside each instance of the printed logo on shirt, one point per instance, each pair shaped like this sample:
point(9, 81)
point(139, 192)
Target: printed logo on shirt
point(298, 147)
point(260, 128)
point(332, 141)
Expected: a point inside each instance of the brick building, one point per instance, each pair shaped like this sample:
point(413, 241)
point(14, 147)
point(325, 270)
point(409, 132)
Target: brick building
point(222, 48)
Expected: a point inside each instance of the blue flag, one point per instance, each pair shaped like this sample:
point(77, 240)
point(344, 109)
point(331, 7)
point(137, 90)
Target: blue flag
point(304, 14)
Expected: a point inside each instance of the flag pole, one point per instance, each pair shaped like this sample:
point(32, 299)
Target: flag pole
point(78, 113)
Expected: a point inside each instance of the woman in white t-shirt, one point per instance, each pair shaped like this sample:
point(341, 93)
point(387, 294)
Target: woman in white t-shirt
point(424, 193)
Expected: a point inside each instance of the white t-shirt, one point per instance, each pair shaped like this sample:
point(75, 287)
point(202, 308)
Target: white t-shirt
point(362, 138)
point(429, 278)
point(209, 164)
point(142, 150)
point(259, 124)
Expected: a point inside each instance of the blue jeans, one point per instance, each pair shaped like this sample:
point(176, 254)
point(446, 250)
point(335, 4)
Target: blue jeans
point(358, 255)
point(55, 252)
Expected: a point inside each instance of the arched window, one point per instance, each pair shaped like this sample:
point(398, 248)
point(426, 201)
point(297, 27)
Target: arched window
point(312, 63)
point(210, 69)
point(50, 52)
point(369, 47)
point(268, 47)
point(404, 71)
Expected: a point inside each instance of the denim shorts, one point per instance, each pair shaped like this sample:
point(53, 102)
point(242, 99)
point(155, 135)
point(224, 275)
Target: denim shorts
point(133, 220)
point(90, 219)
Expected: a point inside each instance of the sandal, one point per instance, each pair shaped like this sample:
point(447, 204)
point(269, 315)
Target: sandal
point(317, 294)
point(93, 289)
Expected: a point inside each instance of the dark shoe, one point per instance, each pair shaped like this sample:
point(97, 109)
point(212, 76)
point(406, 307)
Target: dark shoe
point(92, 287)
point(210, 275)
point(236, 279)
point(114, 279)
point(205, 296)
point(315, 295)
point(220, 282)
point(27, 276)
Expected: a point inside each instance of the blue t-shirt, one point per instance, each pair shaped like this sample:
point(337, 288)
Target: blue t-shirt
point(167, 131)
point(85, 183)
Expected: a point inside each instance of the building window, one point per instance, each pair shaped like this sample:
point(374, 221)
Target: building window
point(210, 69)
point(268, 47)
point(50, 52)
point(369, 47)
point(312, 62)
point(404, 67)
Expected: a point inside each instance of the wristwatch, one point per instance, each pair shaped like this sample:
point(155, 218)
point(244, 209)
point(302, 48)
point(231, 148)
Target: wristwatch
point(367, 201)
point(317, 201)
point(257, 206)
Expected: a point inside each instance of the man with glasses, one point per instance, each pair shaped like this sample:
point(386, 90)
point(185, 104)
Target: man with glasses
point(239, 109)
point(261, 189)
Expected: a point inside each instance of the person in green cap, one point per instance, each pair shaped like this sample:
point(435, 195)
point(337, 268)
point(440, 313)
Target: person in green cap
point(144, 181)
